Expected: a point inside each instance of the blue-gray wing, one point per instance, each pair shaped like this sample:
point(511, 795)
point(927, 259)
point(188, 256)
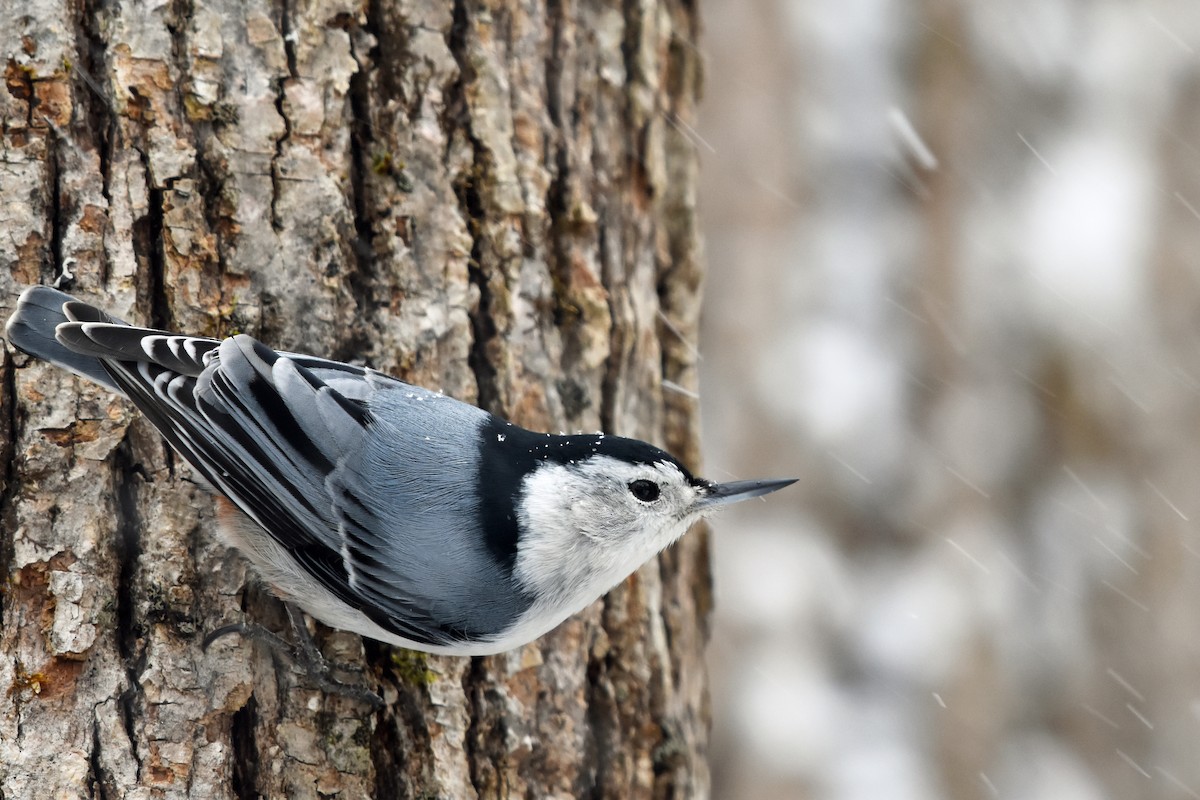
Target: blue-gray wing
point(302, 459)
point(412, 497)
point(388, 469)
point(295, 445)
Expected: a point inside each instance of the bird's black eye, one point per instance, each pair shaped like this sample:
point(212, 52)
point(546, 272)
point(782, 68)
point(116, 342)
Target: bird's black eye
point(646, 491)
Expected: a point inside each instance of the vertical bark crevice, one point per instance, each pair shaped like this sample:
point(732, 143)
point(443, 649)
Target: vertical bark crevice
point(390, 53)
point(148, 248)
point(289, 39)
point(614, 363)
point(554, 65)
point(244, 751)
point(8, 473)
point(127, 547)
point(466, 188)
point(483, 326)
point(388, 758)
point(400, 744)
point(362, 145)
point(127, 550)
point(485, 740)
point(97, 779)
point(289, 51)
point(474, 680)
point(568, 234)
point(611, 228)
point(595, 734)
point(100, 118)
point(63, 278)
point(630, 46)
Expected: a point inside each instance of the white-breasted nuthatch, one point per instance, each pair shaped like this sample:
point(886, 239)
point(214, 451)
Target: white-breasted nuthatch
point(377, 506)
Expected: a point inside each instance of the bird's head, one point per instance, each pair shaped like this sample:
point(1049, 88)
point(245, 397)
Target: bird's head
point(592, 509)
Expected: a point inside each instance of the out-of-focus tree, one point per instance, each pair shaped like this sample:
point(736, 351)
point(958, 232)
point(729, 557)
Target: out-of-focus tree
point(974, 232)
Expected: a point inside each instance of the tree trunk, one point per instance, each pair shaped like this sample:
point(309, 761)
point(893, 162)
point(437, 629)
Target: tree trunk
point(492, 199)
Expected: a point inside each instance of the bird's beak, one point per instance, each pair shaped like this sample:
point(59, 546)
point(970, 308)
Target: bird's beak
point(719, 494)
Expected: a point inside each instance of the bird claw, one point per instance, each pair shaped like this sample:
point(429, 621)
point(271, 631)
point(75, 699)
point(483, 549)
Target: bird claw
point(303, 653)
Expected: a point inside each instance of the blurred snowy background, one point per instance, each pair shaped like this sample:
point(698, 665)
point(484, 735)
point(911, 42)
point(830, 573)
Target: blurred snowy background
point(954, 286)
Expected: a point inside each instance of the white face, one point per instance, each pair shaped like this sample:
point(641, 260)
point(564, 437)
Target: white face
point(587, 526)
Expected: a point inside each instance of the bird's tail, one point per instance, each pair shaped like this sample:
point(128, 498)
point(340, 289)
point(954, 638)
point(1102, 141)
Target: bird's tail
point(31, 329)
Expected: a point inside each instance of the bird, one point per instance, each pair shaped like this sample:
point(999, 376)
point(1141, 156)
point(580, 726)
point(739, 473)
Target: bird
point(380, 507)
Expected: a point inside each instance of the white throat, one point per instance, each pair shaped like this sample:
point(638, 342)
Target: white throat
point(582, 533)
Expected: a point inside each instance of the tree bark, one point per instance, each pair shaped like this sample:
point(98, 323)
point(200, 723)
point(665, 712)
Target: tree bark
point(492, 199)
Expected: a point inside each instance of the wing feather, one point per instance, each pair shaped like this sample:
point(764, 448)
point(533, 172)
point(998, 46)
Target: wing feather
point(267, 431)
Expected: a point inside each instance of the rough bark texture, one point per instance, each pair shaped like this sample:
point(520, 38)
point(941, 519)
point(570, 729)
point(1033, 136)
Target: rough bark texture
point(493, 199)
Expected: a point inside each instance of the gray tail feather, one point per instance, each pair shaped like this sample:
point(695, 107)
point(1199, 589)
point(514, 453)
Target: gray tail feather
point(30, 329)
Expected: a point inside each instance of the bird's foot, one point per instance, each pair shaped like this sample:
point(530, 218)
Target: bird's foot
point(303, 653)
